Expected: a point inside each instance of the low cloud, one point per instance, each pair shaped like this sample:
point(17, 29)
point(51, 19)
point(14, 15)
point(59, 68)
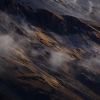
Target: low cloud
point(10, 39)
point(58, 58)
point(6, 43)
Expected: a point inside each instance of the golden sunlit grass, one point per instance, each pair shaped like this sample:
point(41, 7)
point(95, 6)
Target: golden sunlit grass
point(45, 39)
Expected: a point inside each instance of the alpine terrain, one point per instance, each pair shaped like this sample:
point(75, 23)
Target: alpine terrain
point(49, 50)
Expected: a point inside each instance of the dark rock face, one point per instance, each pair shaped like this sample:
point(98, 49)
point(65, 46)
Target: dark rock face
point(48, 20)
point(45, 19)
point(62, 25)
point(52, 21)
point(7, 5)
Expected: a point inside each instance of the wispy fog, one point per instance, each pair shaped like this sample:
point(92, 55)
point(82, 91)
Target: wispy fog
point(15, 36)
point(21, 37)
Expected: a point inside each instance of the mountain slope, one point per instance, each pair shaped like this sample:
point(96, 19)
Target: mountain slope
point(87, 9)
point(47, 56)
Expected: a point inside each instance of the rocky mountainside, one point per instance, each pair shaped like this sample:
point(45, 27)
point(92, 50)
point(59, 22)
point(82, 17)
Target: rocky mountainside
point(87, 9)
point(47, 56)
